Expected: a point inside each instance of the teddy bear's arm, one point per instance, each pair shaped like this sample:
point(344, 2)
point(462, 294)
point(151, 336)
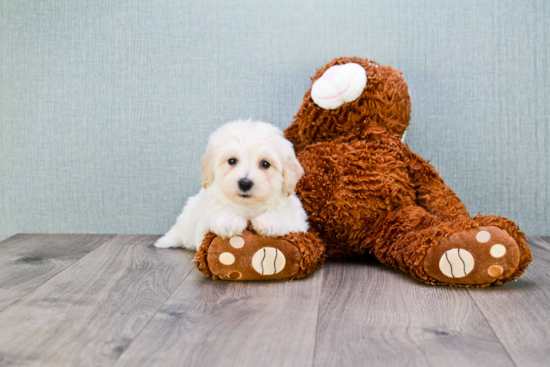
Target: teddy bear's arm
point(431, 192)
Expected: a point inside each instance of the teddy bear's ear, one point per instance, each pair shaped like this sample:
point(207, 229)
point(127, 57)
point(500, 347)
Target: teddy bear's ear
point(207, 171)
point(292, 172)
point(339, 84)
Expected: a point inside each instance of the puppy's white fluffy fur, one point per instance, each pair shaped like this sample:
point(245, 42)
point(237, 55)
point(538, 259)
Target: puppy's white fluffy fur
point(235, 151)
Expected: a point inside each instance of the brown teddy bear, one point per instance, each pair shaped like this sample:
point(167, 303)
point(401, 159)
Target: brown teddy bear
point(366, 192)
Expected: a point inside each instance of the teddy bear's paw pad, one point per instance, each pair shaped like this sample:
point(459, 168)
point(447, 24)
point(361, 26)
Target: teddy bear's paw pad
point(455, 264)
point(476, 256)
point(252, 257)
point(268, 261)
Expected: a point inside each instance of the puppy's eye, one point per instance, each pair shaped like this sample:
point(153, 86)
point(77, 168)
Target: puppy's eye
point(265, 164)
point(232, 161)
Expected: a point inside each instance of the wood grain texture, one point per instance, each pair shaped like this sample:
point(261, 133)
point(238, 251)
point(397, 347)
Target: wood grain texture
point(90, 313)
point(219, 323)
point(29, 260)
point(88, 300)
point(519, 313)
point(376, 316)
point(540, 246)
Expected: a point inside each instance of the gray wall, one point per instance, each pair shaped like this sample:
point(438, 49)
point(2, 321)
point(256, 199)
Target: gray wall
point(106, 106)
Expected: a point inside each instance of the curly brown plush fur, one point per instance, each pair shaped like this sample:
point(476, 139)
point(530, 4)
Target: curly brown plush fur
point(366, 192)
point(312, 251)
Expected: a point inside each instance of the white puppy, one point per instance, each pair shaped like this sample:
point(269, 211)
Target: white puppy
point(249, 173)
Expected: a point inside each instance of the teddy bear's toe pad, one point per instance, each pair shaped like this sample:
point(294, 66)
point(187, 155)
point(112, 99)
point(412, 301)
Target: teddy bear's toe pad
point(476, 256)
point(252, 257)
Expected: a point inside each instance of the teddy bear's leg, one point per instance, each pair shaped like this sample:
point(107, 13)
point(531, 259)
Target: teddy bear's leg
point(251, 256)
point(431, 192)
point(479, 251)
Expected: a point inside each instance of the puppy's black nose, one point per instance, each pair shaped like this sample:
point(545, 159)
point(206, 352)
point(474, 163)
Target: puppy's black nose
point(245, 184)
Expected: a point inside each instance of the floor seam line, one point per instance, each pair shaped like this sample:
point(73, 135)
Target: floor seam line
point(492, 329)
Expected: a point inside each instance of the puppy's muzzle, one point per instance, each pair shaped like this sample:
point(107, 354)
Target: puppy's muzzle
point(245, 184)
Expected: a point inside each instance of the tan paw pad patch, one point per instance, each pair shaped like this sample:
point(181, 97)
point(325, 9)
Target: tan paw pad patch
point(235, 275)
point(236, 242)
point(498, 250)
point(456, 263)
point(227, 258)
point(268, 261)
point(483, 236)
point(495, 270)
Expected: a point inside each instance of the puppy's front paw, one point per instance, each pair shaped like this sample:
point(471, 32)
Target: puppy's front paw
point(269, 226)
point(228, 226)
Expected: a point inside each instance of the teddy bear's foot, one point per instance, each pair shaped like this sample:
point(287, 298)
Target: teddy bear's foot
point(251, 256)
point(477, 256)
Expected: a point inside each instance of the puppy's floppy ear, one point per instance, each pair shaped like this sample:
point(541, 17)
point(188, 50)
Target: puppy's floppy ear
point(292, 172)
point(207, 171)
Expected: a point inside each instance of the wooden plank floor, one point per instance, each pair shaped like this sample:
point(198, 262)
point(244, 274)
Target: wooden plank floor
point(115, 300)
